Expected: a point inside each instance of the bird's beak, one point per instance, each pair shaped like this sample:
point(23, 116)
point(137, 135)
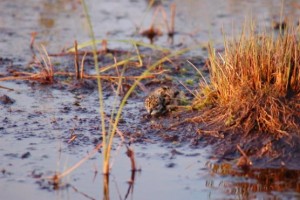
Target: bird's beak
point(150, 111)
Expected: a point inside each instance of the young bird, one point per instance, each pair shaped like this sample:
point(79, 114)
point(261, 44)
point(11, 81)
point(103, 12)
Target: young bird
point(161, 101)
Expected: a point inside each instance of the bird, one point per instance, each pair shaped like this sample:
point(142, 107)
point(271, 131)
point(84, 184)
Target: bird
point(161, 101)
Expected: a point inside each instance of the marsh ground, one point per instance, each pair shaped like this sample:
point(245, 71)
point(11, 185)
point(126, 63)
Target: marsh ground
point(176, 163)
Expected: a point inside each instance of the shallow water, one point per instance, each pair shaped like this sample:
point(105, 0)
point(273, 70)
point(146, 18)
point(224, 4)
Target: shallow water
point(43, 118)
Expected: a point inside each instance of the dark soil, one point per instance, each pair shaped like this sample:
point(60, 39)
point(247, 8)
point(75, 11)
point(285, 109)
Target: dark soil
point(181, 126)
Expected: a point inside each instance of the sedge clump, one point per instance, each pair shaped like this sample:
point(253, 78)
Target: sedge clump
point(255, 84)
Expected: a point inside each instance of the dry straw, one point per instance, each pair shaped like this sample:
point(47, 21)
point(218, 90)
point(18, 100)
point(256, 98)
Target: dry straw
point(255, 83)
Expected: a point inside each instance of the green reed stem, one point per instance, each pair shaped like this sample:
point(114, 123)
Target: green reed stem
point(95, 56)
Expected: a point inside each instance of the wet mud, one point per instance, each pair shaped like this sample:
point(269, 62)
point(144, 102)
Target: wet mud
point(47, 127)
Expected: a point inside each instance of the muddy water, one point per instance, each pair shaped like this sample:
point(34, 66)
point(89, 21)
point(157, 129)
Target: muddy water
point(36, 128)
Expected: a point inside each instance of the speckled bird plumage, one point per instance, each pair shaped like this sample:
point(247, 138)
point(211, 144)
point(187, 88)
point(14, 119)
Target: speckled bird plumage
point(161, 100)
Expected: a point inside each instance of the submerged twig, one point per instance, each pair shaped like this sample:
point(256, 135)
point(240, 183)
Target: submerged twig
point(82, 193)
point(75, 166)
point(6, 88)
point(100, 52)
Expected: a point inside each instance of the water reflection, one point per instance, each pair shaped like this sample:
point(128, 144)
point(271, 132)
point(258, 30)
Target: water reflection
point(254, 181)
point(50, 11)
point(106, 186)
point(131, 184)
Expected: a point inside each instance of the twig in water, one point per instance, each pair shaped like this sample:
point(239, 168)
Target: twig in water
point(130, 154)
point(104, 46)
point(82, 66)
point(244, 162)
point(32, 40)
point(2, 87)
point(172, 27)
point(76, 63)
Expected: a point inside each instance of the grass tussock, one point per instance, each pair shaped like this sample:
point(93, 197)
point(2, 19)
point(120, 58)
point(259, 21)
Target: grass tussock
point(255, 84)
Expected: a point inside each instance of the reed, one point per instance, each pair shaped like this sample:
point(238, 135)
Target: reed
point(101, 103)
point(255, 83)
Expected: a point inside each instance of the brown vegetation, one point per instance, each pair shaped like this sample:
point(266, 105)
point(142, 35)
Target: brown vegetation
point(255, 84)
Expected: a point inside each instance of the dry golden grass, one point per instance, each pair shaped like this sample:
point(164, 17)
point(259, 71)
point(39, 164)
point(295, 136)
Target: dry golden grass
point(255, 84)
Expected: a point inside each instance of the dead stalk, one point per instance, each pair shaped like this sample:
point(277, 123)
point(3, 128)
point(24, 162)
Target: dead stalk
point(255, 83)
point(130, 154)
point(75, 166)
point(76, 61)
point(6, 88)
point(104, 46)
point(82, 66)
point(163, 12)
point(173, 13)
point(32, 40)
